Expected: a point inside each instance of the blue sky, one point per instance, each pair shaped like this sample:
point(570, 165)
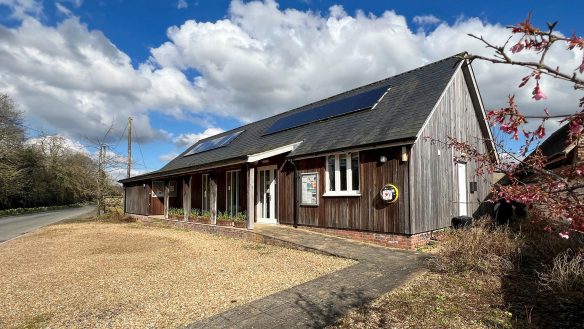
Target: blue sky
point(188, 69)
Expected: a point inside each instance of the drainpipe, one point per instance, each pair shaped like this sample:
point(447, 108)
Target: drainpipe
point(294, 188)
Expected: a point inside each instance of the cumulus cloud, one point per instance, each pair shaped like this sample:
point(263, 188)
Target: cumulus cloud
point(23, 8)
point(261, 60)
point(182, 4)
point(185, 140)
point(257, 61)
point(426, 20)
point(74, 80)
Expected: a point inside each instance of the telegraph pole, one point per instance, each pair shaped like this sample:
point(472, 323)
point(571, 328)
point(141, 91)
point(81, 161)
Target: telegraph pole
point(129, 146)
point(99, 186)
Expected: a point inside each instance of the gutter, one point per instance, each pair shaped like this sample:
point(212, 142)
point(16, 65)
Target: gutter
point(373, 146)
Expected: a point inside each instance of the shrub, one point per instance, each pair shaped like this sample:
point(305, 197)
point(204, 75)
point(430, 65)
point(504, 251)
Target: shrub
point(565, 275)
point(21, 211)
point(176, 212)
point(195, 212)
point(482, 247)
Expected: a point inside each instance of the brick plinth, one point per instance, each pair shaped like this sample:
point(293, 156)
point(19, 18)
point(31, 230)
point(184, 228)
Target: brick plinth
point(226, 231)
point(381, 239)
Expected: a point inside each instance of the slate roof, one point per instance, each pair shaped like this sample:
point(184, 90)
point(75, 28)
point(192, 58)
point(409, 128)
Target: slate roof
point(556, 143)
point(399, 116)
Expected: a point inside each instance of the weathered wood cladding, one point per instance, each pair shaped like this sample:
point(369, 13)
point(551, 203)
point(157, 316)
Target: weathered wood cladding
point(434, 180)
point(366, 212)
point(136, 199)
point(156, 204)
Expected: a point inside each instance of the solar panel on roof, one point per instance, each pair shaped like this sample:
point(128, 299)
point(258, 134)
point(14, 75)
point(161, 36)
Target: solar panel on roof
point(343, 106)
point(214, 143)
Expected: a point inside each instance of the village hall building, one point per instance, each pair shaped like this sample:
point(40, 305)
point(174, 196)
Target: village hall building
point(361, 163)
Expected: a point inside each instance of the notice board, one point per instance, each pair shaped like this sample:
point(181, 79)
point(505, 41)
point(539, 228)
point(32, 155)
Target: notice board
point(309, 189)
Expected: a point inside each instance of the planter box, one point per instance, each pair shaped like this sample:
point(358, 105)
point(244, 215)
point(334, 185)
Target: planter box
point(240, 224)
point(223, 222)
point(201, 220)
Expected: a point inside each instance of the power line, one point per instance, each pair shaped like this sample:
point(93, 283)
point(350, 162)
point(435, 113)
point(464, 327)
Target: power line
point(140, 149)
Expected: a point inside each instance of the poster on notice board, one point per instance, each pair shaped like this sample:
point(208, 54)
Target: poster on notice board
point(309, 189)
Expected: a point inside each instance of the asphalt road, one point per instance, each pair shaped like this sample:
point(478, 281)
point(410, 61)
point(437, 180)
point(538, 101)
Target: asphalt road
point(13, 226)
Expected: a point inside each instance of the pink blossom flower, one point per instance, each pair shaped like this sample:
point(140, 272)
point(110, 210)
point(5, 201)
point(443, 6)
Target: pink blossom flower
point(575, 127)
point(538, 94)
point(564, 235)
point(517, 47)
point(548, 229)
point(581, 67)
point(540, 132)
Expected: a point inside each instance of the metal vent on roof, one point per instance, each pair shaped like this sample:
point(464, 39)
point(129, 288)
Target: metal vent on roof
point(354, 103)
point(213, 143)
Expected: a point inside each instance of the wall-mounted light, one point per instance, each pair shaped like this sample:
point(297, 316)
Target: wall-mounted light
point(383, 159)
point(404, 154)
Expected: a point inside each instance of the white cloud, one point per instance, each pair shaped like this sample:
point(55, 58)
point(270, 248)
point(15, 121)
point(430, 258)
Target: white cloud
point(257, 61)
point(182, 4)
point(185, 140)
point(261, 60)
point(23, 8)
point(71, 79)
point(426, 20)
point(63, 10)
point(167, 157)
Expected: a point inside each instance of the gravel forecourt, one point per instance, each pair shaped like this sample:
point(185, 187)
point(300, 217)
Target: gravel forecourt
point(120, 275)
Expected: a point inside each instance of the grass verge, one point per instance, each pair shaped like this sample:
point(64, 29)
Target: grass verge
point(23, 211)
point(522, 276)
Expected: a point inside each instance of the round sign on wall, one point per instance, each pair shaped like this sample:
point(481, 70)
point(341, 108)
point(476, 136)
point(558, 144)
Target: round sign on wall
point(389, 193)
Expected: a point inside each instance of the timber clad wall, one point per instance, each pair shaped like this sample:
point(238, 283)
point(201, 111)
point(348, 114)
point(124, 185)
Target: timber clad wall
point(434, 180)
point(427, 181)
point(366, 212)
point(136, 198)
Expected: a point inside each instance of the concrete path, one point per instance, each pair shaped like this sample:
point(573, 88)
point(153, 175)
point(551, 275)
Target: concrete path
point(320, 302)
point(13, 226)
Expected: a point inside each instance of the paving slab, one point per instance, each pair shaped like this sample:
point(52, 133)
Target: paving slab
point(322, 301)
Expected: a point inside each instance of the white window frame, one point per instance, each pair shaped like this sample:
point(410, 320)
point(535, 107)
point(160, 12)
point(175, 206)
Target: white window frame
point(337, 188)
point(227, 192)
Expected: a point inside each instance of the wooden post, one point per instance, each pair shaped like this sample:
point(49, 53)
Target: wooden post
point(250, 198)
point(166, 199)
point(213, 198)
point(187, 197)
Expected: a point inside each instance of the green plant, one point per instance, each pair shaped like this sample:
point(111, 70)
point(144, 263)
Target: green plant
point(240, 217)
point(21, 211)
point(223, 215)
point(195, 212)
point(176, 212)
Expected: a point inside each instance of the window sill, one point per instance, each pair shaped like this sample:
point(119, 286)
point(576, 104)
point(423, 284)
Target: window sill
point(343, 193)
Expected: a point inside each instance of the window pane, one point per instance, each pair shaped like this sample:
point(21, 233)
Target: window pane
point(331, 172)
point(343, 170)
point(355, 171)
